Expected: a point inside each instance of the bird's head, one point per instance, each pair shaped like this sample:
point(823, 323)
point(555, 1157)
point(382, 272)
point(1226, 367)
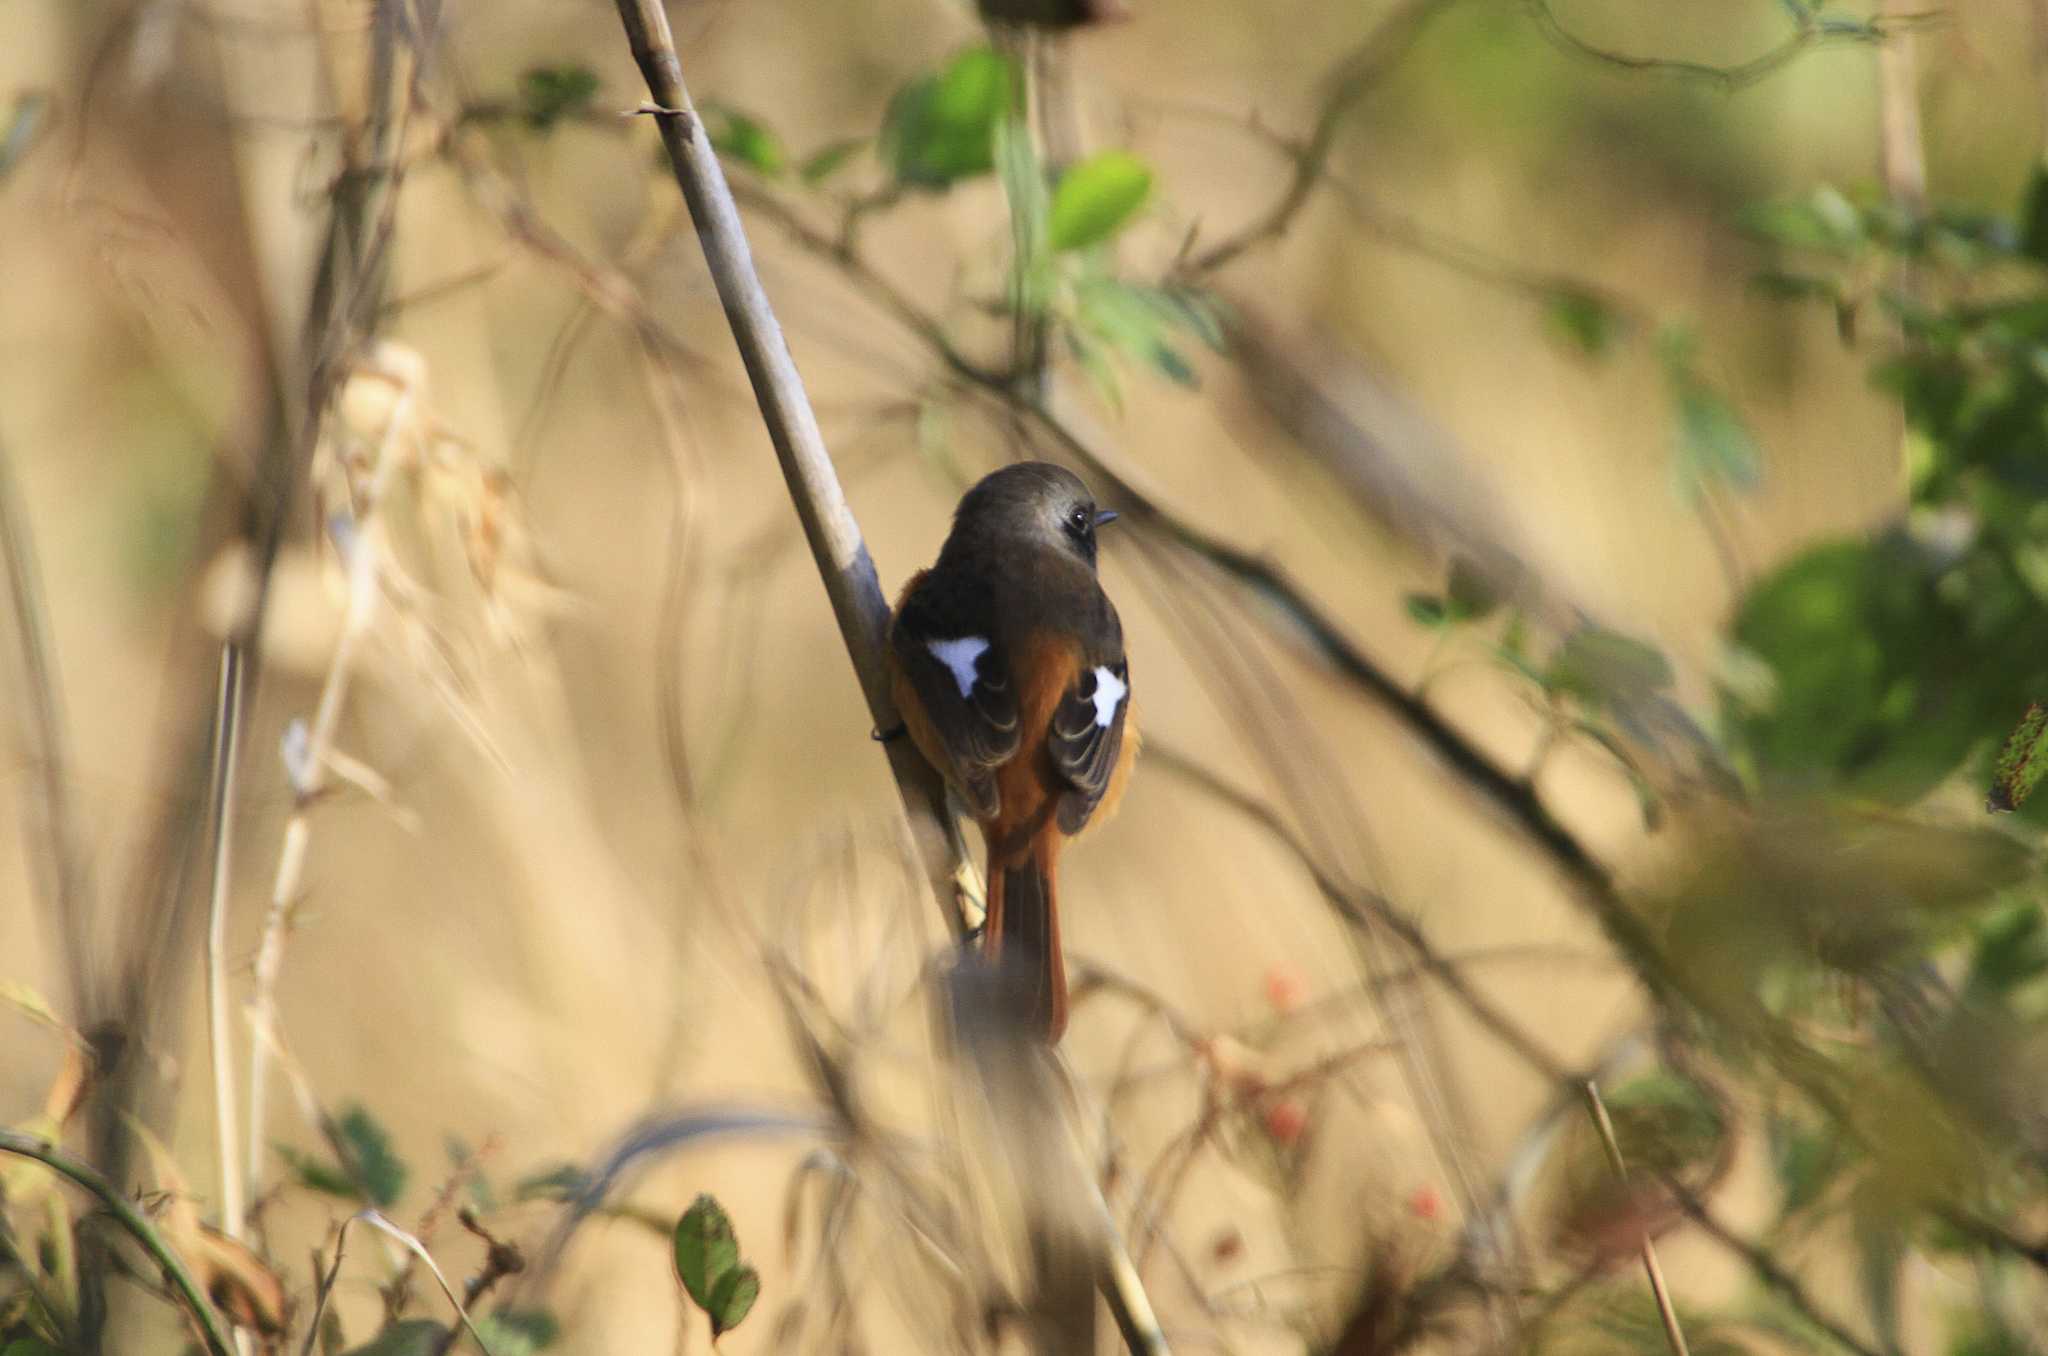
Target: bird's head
point(1032, 503)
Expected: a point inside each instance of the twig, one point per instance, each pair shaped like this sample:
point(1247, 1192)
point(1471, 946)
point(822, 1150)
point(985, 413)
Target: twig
point(324, 1289)
point(65, 885)
point(376, 1220)
point(842, 558)
point(1673, 1333)
point(211, 1327)
point(843, 561)
point(227, 722)
point(501, 1259)
point(1902, 155)
point(1811, 32)
point(1358, 75)
point(1351, 902)
point(361, 546)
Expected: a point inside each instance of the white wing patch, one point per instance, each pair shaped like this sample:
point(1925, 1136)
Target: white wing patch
point(1109, 694)
point(959, 656)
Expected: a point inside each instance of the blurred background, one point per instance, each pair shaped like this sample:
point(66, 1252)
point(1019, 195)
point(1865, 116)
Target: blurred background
point(1583, 553)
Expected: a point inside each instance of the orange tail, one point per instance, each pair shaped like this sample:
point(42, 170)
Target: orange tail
point(1023, 938)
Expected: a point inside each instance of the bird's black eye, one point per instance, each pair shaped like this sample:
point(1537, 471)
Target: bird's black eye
point(1080, 520)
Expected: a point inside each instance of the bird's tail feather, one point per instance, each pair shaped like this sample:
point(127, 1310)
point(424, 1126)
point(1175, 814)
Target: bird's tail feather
point(1023, 940)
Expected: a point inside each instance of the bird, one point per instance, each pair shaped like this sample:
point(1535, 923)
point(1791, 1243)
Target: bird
point(1007, 663)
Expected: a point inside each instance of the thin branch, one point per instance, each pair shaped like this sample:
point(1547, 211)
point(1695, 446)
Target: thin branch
point(362, 550)
point(1810, 31)
point(842, 557)
point(211, 1327)
point(1352, 903)
point(1357, 76)
point(1673, 1333)
point(220, 1044)
point(1511, 795)
point(324, 1288)
point(64, 883)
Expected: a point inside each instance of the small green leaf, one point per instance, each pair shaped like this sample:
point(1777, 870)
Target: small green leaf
point(732, 1298)
point(519, 1332)
point(1714, 445)
point(1170, 363)
point(2011, 950)
point(742, 138)
point(1583, 319)
point(1598, 666)
point(381, 1171)
point(940, 129)
point(1426, 609)
point(829, 159)
point(29, 1345)
point(2021, 763)
point(317, 1174)
point(409, 1337)
point(1471, 594)
point(1097, 198)
point(705, 1250)
point(547, 94)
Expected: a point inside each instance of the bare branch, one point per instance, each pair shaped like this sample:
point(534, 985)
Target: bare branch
point(1810, 31)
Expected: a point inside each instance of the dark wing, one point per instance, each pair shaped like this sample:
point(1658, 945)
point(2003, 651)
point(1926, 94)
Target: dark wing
point(1086, 734)
point(946, 648)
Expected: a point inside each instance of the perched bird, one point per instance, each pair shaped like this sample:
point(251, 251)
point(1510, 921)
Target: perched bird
point(1007, 662)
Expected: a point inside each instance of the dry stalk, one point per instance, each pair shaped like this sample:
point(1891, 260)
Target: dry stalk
point(362, 547)
point(226, 727)
point(1673, 1333)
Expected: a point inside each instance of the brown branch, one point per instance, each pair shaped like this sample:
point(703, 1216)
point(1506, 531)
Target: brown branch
point(1811, 31)
point(1354, 904)
point(844, 565)
point(855, 592)
point(1359, 75)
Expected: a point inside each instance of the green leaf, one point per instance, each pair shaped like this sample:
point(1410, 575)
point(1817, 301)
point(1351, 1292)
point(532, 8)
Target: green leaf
point(1426, 609)
point(1599, 666)
point(1824, 221)
point(742, 138)
point(1805, 1160)
point(732, 1298)
point(1583, 319)
point(829, 159)
point(519, 1332)
point(1470, 593)
point(2034, 217)
point(2021, 763)
point(1714, 445)
point(2011, 950)
point(940, 128)
point(1097, 198)
point(317, 1174)
point(29, 1345)
point(705, 1250)
point(409, 1337)
point(1134, 320)
point(381, 1172)
point(547, 94)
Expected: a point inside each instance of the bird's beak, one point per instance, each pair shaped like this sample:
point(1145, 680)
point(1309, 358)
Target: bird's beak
point(1105, 517)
